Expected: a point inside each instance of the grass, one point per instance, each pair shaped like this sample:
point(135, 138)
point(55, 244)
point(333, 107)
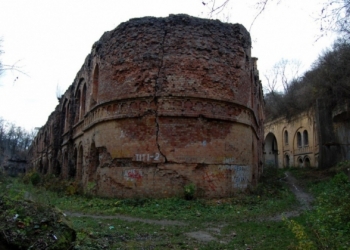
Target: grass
point(236, 223)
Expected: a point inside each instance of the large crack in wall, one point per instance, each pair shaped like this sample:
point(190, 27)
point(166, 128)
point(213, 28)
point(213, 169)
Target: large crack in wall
point(173, 88)
point(156, 88)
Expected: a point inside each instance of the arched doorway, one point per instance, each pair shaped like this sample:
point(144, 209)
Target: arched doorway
point(307, 163)
point(94, 161)
point(73, 165)
point(286, 160)
point(271, 151)
point(300, 162)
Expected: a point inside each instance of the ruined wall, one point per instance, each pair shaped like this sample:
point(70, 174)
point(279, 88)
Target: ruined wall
point(334, 132)
point(158, 104)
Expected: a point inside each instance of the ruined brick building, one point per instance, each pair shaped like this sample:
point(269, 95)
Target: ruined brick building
point(158, 104)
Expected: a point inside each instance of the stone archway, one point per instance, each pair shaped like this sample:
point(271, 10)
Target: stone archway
point(271, 150)
point(72, 168)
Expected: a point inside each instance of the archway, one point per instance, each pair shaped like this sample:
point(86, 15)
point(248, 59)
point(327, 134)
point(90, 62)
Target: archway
point(286, 160)
point(80, 162)
point(73, 165)
point(271, 150)
point(300, 162)
point(307, 163)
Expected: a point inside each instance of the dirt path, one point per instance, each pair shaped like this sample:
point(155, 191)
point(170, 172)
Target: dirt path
point(305, 199)
point(202, 235)
point(130, 219)
point(205, 235)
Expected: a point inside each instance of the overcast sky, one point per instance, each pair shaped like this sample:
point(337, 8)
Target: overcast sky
point(49, 40)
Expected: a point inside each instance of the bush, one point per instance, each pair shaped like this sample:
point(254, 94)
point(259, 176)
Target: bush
point(35, 178)
point(270, 183)
point(190, 190)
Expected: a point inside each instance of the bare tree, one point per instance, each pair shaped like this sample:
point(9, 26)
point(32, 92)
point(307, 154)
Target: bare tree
point(1, 52)
point(14, 139)
point(329, 80)
point(282, 74)
point(216, 7)
point(9, 67)
point(334, 15)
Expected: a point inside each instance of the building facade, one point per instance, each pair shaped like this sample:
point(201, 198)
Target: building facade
point(293, 142)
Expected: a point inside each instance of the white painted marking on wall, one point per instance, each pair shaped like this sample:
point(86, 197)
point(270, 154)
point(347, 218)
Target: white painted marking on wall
point(147, 157)
point(122, 135)
point(229, 160)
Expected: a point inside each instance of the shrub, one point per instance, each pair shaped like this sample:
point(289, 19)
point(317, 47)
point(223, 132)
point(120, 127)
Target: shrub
point(73, 188)
point(35, 178)
point(190, 190)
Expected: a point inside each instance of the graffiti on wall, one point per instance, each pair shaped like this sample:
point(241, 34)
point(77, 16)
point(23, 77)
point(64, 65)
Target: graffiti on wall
point(213, 178)
point(240, 176)
point(133, 175)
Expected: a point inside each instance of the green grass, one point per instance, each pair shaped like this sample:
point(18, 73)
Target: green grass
point(239, 222)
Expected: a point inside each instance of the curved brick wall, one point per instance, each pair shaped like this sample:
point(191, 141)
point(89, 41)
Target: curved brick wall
point(158, 104)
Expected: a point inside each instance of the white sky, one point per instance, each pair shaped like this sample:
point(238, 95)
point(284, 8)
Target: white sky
point(49, 40)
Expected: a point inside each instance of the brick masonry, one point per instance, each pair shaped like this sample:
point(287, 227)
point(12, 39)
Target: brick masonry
point(160, 103)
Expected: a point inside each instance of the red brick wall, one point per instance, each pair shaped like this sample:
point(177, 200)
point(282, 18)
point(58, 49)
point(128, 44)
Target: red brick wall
point(169, 102)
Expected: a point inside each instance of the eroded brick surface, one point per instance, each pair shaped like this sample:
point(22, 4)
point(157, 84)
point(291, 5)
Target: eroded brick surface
point(158, 104)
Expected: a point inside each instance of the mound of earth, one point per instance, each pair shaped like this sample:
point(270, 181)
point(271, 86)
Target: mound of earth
point(30, 225)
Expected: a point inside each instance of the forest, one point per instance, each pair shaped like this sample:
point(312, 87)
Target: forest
point(327, 80)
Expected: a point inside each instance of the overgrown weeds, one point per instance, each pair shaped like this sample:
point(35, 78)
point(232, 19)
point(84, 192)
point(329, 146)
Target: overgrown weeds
point(330, 219)
point(329, 222)
point(239, 222)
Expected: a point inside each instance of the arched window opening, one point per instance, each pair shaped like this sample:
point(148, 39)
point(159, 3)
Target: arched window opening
point(306, 138)
point(63, 119)
point(58, 169)
point(45, 165)
point(299, 139)
point(286, 137)
point(83, 102)
point(80, 162)
point(77, 107)
point(68, 116)
point(72, 165)
point(300, 161)
point(65, 164)
point(41, 167)
point(95, 83)
point(274, 146)
point(45, 139)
